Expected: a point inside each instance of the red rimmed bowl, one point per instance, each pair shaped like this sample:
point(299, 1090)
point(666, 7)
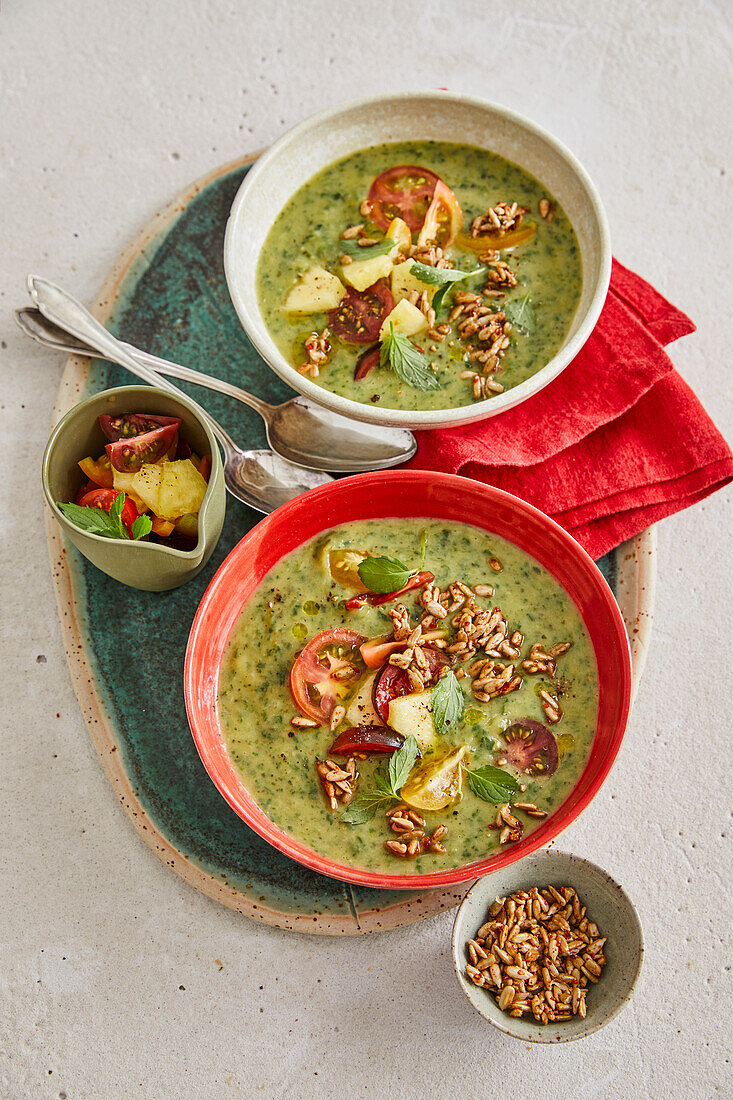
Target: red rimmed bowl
point(404, 494)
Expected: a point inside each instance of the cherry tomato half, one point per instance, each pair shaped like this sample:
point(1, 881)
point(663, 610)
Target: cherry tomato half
point(367, 739)
point(358, 317)
point(404, 191)
point(127, 425)
point(443, 219)
point(392, 681)
point(102, 498)
point(366, 361)
point(530, 747)
point(313, 686)
point(128, 454)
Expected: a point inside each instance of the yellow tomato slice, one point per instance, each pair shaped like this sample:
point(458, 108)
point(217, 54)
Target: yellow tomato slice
point(496, 244)
point(437, 782)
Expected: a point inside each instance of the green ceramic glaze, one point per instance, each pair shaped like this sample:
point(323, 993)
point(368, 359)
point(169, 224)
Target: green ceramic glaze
point(173, 301)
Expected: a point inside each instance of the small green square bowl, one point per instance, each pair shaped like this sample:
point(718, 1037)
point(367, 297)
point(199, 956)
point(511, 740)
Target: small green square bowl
point(147, 565)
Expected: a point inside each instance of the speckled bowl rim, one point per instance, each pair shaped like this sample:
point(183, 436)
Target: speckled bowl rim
point(140, 546)
point(501, 1020)
point(247, 307)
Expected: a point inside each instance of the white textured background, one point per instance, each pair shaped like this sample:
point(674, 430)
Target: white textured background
point(108, 109)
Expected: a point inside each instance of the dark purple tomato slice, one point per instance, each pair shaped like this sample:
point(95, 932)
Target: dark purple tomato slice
point(391, 682)
point(366, 362)
point(358, 317)
point(128, 454)
point(127, 425)
point(365, 739)
point(530, 747)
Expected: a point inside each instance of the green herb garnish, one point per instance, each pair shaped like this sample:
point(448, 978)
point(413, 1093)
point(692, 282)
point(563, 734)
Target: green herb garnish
point(407, 361)
point(443, 277)
point(423, 547)
point(492, 784)
point(109, 524)
point(446, 703)
point(384, 574)
point(520, 313)
point(367, 252)
point(386, 788)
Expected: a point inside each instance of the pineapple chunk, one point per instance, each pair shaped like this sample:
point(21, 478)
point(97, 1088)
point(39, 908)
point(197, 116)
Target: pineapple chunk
point(404, 282)
point(360, 711)
point(316, 291)
point(146, 485)
point(406, 319)
point(124, 482)
point(411, 715)
point(399, 232)
point(363, 273)
point(182, 489)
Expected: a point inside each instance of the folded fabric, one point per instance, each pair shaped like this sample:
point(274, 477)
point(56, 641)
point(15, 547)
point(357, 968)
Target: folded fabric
point(615, 443)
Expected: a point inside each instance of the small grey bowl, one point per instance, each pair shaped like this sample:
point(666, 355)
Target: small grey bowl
point(608, 906)
point(151, 566)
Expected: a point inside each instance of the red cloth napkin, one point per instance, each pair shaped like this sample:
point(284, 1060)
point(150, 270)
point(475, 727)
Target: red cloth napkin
point(615, 443)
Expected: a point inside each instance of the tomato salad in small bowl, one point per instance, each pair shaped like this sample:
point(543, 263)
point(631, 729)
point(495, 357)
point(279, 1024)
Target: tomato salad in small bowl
point(134, 477)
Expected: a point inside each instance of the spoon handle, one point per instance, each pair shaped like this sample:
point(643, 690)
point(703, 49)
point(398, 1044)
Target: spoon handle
point(186, 374)
point(63, 310)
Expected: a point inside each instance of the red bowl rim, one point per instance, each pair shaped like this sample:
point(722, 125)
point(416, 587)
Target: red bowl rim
point(205, 728)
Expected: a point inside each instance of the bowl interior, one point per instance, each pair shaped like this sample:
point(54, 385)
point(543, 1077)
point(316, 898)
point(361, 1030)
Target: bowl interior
point(78, 435)
point(608, 906)
point(404, 494)
point(319, 141)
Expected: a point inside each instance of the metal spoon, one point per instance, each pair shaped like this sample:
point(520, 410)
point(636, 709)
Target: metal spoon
point(261, 479)
point(298, 430)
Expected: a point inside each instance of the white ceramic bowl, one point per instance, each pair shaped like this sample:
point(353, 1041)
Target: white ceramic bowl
point(608, 906)
point(440, 116)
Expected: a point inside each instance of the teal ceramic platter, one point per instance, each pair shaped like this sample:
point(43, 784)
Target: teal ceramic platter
point(167, 294)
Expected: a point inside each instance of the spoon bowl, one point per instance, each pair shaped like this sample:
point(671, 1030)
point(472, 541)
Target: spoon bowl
point(300, 431)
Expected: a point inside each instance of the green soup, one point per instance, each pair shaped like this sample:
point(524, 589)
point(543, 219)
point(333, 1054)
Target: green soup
point(308, 230)
point(299, 598)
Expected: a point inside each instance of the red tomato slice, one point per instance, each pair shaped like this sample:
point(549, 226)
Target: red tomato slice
point(365, 739)
point(392, 681)
point(127, 425)
point(358, 317)
point(312, 683)
point(128, 454)
point(377, 598)
point(530, 747)
point(102, 498)
point(366, 361)
point(443, 220)
point(404, 191)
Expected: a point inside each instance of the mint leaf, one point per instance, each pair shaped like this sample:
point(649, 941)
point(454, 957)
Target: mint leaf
point(384, 574)
point(368, 252)
point(94, 520)
point(363, 809)
point(492, 784)
point(519, 311)
point(115, 515)
point(141, 527)
point(423, 547)
point(438, 276)
point(401, 763)
point(447, 702)
point(407, 361)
